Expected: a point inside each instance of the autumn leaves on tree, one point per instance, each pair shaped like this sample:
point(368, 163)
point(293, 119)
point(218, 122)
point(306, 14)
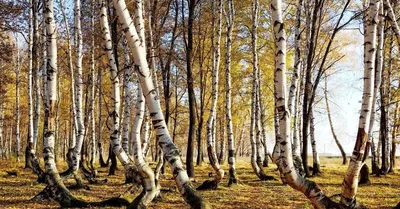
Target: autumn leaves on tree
point(247, 72)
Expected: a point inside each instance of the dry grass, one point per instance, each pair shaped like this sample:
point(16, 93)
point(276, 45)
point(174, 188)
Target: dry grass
point(249, 193)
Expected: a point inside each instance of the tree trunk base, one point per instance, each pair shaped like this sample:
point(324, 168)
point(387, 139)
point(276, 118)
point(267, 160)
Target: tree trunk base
point(232, 180)
point(364, 175)
point(265, 162)
point(208, 185)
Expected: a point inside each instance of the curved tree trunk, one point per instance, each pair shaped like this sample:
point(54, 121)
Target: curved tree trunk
point(255, 138)
point(127, 99)
point(146, 175)
point(171, 153)
point(344, 162)
point(211, 146)
point(56, 188)
point(228, 105)
point(350, 181)
point(284, 151)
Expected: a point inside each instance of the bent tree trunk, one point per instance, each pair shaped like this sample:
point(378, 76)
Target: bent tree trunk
point(255, 138)
point(344, 162)
point(55, 187)
point(211, 147)
point(148, 184)
point(284, 152)
point(171, 152)
point(228, 105)
point(350, 182)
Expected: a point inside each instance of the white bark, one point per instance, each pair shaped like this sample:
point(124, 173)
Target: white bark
point(393, 19)
point(30, 79)
point(48, 142)
point(146, 174)
point(216, 51)
point(316, 164)
point(127, 99)
point(117, 149)
point(228, 87)
point(283, 148)
point(36, 68)
point(294, 87)
point(377, 81)
point(255, 138)
point(350, 182)
point(171, 153)
point(78, 87)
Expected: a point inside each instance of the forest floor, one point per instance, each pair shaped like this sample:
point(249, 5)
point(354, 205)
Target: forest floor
point(15, 192)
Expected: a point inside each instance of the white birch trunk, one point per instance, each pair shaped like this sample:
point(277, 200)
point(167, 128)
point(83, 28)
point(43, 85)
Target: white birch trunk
point(171, 153)
point(78, 87)
point(55, 185)
point(294, 87)
point(29, 145)
point(255, 138)
point(283, 149)
point(316, 163)
point(92, 90)
point(350, 182)
point(127, 100)
point(211, 146)
point(36, 68)
point(228, 105)
point(393, 19)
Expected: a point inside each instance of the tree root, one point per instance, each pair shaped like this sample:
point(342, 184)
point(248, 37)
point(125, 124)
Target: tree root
point(232, 180)
point(91, 176)
point(66, 200)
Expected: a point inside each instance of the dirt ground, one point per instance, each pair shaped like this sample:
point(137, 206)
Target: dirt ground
point(15, 192)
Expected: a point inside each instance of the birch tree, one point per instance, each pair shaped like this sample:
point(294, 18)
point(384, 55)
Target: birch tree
point(171, 153)
point(29, 144)
point(17, 70)
point(342, 152)
point(211, 148)
point(284, 160)
point(228, 105)
point(255, 138)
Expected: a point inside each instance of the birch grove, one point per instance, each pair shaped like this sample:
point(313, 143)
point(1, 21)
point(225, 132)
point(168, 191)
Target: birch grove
point(86, 83)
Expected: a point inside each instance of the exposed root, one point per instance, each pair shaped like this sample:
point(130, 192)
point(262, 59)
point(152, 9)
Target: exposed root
point(91, 176)
point(66, 200)
point(193, 199)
